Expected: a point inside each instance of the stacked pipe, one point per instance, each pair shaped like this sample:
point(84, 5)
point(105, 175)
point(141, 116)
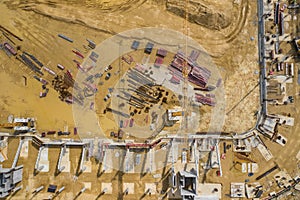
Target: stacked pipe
point(145, 95)
point(205, 99)
point(194, 55)
point(30, 64)
point(199, 77)
point(196, 74)
point(175, 79)
point(51, 72)
point(139, 77)
point(34, 59)
point(68, 79)
point(177, 74)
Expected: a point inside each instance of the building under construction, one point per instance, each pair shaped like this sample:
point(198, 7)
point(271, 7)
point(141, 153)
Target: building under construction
point(9, 178)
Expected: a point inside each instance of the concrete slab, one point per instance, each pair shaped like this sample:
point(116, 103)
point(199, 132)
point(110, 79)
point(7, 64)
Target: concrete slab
point(87, 185)
point(45, 165)
point(107, 162)
point(44, 154)
point(209, 189)
point(283, 179)
point(265, 152)
point(297, 187)
point(244, 168)
point(3, 156)
point(214, 160)
point(152, 160)
point(250, 189)
point(237, 190)
point(44, 162)
point(254, 167)
point(288, 120)
point(107, 187)
point(129, 186)
point(129, 162)
point(66, 161)
point(24, 149)
point(151, 187)
point(88, 167)
point(150, 164)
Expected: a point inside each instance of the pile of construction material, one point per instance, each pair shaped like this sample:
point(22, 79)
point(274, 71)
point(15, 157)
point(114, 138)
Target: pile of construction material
point(208, 99)
point(187, 66)
point(61, 87)
point(143, 93)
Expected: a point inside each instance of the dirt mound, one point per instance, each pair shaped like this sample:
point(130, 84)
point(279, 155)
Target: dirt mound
point(199, 13)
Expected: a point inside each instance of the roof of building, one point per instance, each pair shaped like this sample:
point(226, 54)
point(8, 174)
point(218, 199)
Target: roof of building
point(21, 120)
point(135, 45)
point(52, 188)
point(8, 178)
point(237, 190)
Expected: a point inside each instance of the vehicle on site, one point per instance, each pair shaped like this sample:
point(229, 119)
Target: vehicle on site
point(63, 133)
point(109, 67)
point(108, 75)
point(10, 48)
point(121, 124)
point(98, 75)
point(131, 122)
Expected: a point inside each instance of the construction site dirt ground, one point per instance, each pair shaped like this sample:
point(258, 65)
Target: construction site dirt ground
point(38, 23)
point(237, 69)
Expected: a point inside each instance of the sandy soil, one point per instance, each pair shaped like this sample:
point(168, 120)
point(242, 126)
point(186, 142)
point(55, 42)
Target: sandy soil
point(220, 47)
point(39, 22)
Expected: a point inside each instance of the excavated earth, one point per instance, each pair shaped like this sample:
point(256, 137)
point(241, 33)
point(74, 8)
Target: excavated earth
point(223, 28)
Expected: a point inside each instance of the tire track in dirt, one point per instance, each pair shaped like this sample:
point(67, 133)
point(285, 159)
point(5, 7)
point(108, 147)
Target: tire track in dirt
point(242, 19)
point(30, 6)
point(116, 8)
point(103, 7)
point(241, 23)
point(39, 38)
point(75, 21)
point(132, 4)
